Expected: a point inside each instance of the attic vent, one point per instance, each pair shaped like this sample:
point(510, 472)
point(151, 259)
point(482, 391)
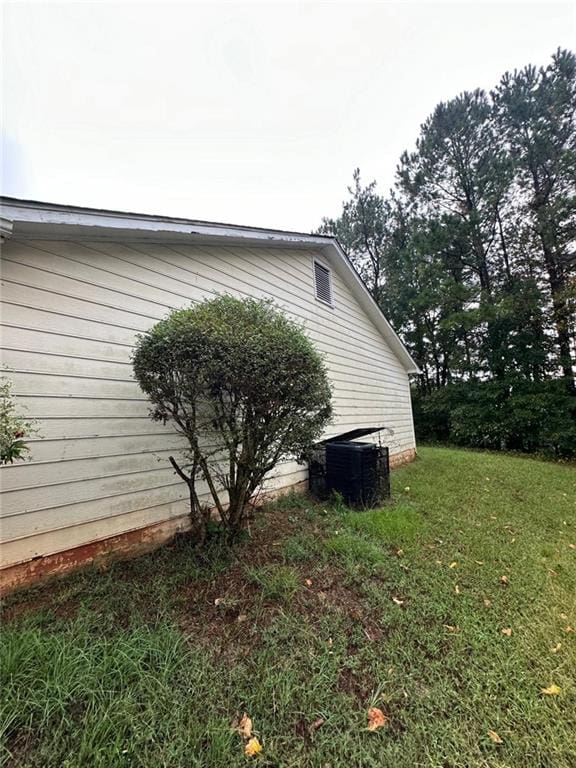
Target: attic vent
point(323, 283)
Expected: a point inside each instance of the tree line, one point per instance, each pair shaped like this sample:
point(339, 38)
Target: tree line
point(472, 257)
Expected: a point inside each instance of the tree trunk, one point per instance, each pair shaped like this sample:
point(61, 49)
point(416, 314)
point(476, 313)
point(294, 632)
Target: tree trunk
point(560, 310)
point(197, 517)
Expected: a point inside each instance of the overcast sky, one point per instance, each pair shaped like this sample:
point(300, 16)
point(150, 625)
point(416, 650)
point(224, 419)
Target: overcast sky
point(243, 113)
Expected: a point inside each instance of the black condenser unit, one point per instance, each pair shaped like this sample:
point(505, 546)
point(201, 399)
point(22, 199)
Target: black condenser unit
point(360, 472)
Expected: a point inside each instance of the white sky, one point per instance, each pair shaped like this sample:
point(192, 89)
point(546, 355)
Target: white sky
point(243, 113)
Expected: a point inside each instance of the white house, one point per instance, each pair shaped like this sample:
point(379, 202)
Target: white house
point(77, 285)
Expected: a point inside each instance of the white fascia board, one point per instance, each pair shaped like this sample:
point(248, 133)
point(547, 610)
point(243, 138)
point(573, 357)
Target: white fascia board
point(29, 214)
point(35, 219)
point(6, 225)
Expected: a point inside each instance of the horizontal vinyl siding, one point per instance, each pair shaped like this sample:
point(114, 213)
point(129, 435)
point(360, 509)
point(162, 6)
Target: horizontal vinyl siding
point(70, 314)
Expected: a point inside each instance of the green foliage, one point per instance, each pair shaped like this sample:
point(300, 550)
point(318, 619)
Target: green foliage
point(517, 415)
point(471, 256)
point(247, 389)
point(14, 429)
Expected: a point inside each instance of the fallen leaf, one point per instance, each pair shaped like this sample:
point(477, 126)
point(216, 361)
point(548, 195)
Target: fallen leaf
point(253, 747)
point(563, 616)
point(399, 552)
point(457, 589)
point(453, 565)
point(572, 546)
point(552, 690)
point(504, 580)
point(568, 629)
point(495, 737)
point(487, 602)
point(376, 718)
point(407, 489)
point(316, 724)
point(556, 648)
point(450, 628)
point(479, 562)
point(308, 582)
point(397, 601)
point(218, 601)
point(507, 631)
point(241, 618)
point(245, 726)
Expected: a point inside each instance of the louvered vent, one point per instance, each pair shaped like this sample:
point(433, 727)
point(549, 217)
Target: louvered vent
point(323, 281)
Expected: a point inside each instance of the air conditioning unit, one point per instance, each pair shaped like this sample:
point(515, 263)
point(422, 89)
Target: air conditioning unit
point(359, 472)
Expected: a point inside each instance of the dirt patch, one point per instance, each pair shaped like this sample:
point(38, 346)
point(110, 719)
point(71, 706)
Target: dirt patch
point(225, 612)
point(19, 746)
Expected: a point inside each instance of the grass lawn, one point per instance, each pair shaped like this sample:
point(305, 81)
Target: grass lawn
point(320, 615)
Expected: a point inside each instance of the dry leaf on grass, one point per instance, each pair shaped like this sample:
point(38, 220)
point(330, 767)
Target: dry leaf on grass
point(552, 690)
point(556, 648)
point(316, 724)
point(453, 565)
point(244, 726)
point(456, 589)
point(568, 629)
point(450, 628)
point(504, 580)
point(397, 601)
point(376, 719)
point(308, 582)
point(507, 631)
point(479, 562)
point(495, 737)
point(487, 602)
point(253, 747)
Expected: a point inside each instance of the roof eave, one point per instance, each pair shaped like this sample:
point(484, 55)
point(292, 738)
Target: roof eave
point(31, 219)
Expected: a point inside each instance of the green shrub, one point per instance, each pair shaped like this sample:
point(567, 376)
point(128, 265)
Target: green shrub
point(14, 429)
point(246, 388)
point(510, 415)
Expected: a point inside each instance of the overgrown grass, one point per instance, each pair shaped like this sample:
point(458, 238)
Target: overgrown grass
point(276, 582)
point(323, 613)
point(393, 525)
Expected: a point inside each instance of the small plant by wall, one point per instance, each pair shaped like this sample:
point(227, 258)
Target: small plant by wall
point(15, 430)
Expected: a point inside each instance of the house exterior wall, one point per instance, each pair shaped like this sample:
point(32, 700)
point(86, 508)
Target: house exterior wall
point(70, 313)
